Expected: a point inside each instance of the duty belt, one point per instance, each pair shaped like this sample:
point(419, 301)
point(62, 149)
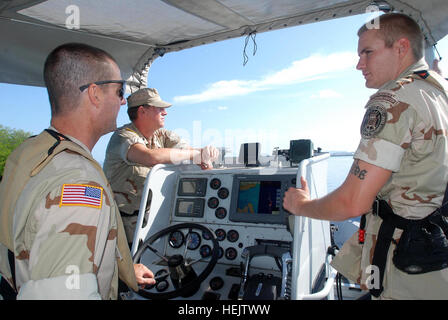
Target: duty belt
point(423, 246)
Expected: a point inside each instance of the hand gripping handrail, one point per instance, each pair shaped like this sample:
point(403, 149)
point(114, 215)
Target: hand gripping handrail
point(299, 228)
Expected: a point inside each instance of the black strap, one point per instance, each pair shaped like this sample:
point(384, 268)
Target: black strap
point(6, 291)
point(125, 214)
point(58, 136)
point(12, 265)
point(384, 238)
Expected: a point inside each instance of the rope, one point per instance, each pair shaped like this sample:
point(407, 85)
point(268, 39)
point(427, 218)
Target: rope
point(252, 36)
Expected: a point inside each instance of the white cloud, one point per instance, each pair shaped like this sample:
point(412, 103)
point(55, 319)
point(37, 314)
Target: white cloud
point(327, 94)
point(312, 68)
point(223, 108)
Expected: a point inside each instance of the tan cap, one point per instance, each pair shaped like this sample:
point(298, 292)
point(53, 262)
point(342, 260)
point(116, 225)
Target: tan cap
point(147, 96)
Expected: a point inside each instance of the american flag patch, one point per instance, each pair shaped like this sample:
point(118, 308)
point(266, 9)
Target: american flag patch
point(81, 195)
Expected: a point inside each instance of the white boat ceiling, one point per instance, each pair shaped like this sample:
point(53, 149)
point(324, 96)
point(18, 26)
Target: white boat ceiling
point(136, 32)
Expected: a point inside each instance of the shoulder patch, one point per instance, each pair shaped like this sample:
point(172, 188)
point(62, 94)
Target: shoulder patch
point(81, 195)
point(374, 121)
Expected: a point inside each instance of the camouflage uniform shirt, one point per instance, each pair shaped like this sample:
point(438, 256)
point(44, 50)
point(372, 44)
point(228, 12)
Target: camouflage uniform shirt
point(405, 131)
point(127, 178)
point(65, 248)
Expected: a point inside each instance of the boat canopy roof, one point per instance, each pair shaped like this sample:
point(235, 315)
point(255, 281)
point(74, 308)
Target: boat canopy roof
point(136, 32)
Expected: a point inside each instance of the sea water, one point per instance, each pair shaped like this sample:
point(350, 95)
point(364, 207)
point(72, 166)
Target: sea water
point(338, 169)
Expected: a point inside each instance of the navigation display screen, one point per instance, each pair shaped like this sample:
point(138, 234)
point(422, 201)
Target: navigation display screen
point(196, 187)
point(192, 207)
point(259, 197)
point(189, 186)
point(186, 207)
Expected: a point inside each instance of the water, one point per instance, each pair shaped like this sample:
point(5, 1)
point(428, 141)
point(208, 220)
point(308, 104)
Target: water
point(338, 169)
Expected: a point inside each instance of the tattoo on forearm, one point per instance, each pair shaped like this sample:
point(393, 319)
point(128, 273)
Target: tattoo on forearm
point(356, 171)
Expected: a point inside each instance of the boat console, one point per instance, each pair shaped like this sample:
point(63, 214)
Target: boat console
point(223, 234)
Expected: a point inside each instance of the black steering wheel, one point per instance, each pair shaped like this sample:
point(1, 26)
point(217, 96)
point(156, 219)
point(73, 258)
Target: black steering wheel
point(178, 261)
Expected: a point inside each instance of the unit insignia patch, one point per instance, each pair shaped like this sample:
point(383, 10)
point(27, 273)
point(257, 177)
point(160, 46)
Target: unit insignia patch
point(373, 122)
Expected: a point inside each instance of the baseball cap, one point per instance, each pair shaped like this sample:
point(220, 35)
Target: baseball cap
point(147, 96)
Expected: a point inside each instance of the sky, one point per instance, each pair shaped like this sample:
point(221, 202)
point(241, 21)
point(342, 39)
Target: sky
point(300, 84)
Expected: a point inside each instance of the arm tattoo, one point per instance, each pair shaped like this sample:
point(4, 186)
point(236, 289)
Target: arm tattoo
point(356, 171)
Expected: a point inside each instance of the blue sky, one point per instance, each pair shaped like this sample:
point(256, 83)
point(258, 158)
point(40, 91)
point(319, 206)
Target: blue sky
point(300, 84)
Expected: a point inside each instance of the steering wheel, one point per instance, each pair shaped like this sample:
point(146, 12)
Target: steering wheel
point(178, 261)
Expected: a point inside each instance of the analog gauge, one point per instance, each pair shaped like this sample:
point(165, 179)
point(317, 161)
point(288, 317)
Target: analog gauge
point(215, 183)
point(213, 202)
point(176, 239)
point(205, 251)
point(193, 240)
point(223, 193)
point(220, 234)
point(220, 213)
point(206, 235)
point(220, 252)
point(231, 253)
point(216, 283)
point(161, 275)
point(162, 285)
point(233, 236)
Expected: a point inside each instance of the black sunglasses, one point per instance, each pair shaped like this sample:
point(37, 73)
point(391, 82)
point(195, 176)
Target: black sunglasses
point(120, 93)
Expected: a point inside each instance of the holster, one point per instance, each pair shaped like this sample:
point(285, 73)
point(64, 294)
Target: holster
point(422, 248)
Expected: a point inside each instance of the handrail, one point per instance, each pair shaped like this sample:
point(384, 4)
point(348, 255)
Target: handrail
point(143, 203)
point(326, 289)
point(299, 222)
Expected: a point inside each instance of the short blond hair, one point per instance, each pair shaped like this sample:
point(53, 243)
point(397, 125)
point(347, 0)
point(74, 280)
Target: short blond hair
point(394, 26)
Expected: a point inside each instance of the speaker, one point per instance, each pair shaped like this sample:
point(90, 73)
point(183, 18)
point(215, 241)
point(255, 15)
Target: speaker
point(249, 154)
point(300, 150)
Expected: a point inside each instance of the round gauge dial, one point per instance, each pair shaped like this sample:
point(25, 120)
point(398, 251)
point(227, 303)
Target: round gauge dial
point(231, 253)
point(220, 213)
point(176, 239)
point(162, 285)
point(220, 234)
point(233, 236)
point(223, 193)
point(193, 240)
point(215, 183)
point(213, 202)
point(161, 275)
point(216, 283)
point(205, 251)
point(206, 235)
point(220, 252)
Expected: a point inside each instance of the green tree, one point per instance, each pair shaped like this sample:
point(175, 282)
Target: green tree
point(9, 140)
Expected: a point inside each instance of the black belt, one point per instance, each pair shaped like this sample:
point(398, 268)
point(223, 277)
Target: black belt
point(410, 253)
point(391, 221)
point(125, 214)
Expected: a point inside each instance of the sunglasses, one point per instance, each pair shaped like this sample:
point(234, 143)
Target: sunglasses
point(120, 93)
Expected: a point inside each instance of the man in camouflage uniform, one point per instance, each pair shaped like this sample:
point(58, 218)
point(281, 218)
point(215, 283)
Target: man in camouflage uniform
point(402, 158)
point(136, 147)
point(61, 235)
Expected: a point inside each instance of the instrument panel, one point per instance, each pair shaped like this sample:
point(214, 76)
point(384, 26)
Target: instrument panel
point(241, 209)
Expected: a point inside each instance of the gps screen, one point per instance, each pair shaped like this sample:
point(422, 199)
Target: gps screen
point(259, 197)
